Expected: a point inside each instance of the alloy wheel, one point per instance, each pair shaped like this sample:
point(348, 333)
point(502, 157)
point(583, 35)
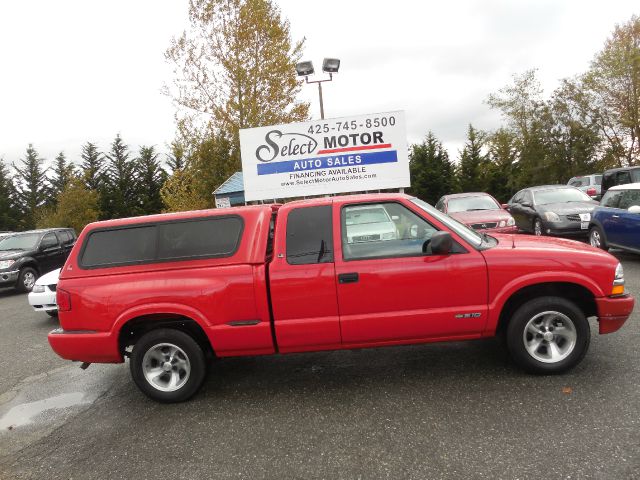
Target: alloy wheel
point(549, 337)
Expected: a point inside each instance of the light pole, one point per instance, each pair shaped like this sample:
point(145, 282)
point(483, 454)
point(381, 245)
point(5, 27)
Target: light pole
point(329, 65)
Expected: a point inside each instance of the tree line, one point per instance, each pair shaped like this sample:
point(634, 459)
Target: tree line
point(589, 123)
point(103, 185)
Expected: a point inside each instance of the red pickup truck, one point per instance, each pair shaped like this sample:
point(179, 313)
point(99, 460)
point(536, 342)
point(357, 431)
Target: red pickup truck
point(170, 291)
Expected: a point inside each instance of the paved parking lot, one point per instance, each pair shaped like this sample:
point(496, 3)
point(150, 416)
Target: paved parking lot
point(456, 410)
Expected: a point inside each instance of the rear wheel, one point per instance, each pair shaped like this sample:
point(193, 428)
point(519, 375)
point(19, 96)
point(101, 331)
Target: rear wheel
point(168, 365)
point(26, 279)
point(596, 238)
point(548, 335)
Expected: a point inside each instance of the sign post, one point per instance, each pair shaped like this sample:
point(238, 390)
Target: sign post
point(348, 154)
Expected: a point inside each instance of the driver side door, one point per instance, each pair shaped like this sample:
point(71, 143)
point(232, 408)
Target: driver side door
point(389, 291)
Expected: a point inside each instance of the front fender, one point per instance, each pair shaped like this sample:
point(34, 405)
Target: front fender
point(501, 297)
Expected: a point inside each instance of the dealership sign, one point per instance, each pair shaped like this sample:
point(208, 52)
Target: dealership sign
point(348, 154)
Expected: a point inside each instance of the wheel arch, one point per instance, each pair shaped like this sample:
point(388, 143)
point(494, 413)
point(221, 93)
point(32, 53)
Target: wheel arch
point(134, 326)
point(579, 294)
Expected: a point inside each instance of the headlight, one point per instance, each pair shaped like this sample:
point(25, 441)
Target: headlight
point(551, 217)
point(511, 222)
point(38, 289)
point(6, 263)
point(618, 281)
point(501, 224)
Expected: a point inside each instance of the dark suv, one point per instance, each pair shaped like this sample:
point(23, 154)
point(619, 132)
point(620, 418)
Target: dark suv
point(25, 256)
point(619, 176)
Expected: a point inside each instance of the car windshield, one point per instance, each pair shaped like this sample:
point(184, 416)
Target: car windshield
point(20, 242)
point(466, 204)
point(366, 215)
point(560, 195)
point(465, 232)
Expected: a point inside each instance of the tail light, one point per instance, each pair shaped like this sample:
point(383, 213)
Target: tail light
point(63, 299)
point(591, 191)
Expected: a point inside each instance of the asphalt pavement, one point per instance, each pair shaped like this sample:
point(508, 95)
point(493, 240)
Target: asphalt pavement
point(454, 410)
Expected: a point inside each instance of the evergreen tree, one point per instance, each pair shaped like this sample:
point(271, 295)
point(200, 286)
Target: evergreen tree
point(432, 173)
point(32, 188)
point(471, 176)
point(92, 166)
point(177, 159)
point(9, 213)
point(502, 168)
point(120, 195)
point(151, 177)
point(63, 171)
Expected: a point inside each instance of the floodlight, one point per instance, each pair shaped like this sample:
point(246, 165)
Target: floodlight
point(304, 68)
point(330, 65)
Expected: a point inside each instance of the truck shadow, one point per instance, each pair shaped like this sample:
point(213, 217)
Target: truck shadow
point(444, 367)
point(9, 292)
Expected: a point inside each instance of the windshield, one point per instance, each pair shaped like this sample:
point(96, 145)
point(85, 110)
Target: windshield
point(560, 195)
point(465, 204)
point(366, 215)
point(465, 232)
point(20, 242)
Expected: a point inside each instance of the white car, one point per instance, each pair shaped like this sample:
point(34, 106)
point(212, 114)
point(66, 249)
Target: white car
point(370, 224)
point(43, 295)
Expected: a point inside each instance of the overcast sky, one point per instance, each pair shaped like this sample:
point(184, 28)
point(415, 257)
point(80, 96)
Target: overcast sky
point(78, 71)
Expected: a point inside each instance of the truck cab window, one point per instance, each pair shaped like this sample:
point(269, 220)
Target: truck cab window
point(382, 230)
point(309, 235)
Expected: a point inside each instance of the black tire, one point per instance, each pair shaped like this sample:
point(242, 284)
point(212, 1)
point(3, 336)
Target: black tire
point(151, 342)
point(536, 222)
point(25, 276)
point(518, 334)
point(52, 313)
point(597, 239)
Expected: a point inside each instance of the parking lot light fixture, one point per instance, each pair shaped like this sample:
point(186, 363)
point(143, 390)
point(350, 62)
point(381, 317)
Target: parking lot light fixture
point(329, 65)
point(304, 69)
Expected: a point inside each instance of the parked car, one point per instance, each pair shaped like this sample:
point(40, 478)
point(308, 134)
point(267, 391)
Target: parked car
point(43, 294)
point(479, 211)
point(369, 223)
point(5, 234)
point(616, 222)
point(589, 184)
point(25, 256)
point(171, 290)
point(619, 176)
point(552, 210)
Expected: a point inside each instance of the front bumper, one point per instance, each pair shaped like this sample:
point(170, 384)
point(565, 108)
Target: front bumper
point(43, 301)
point(85, 345)
point(613, 312)
point(565, 227)
point(9, 278)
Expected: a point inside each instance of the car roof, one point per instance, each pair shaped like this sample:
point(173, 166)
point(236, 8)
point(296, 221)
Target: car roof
point(626, 186)
point(548, 187)
point(467, 194)
point(619, 169)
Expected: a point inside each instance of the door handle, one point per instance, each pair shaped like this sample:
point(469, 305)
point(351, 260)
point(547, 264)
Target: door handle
point(348, 277)
point(615, 216)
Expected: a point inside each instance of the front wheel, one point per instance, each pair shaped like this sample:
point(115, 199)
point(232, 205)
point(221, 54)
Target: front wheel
point(538, 229)
point(26, 279)
point(548, 335)
point(596, 238)
point(168, 365)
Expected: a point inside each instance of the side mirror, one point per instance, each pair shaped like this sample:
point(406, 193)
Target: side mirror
point(505, 206)
point(634, 209)
point(526, 204)
point(441, 243)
